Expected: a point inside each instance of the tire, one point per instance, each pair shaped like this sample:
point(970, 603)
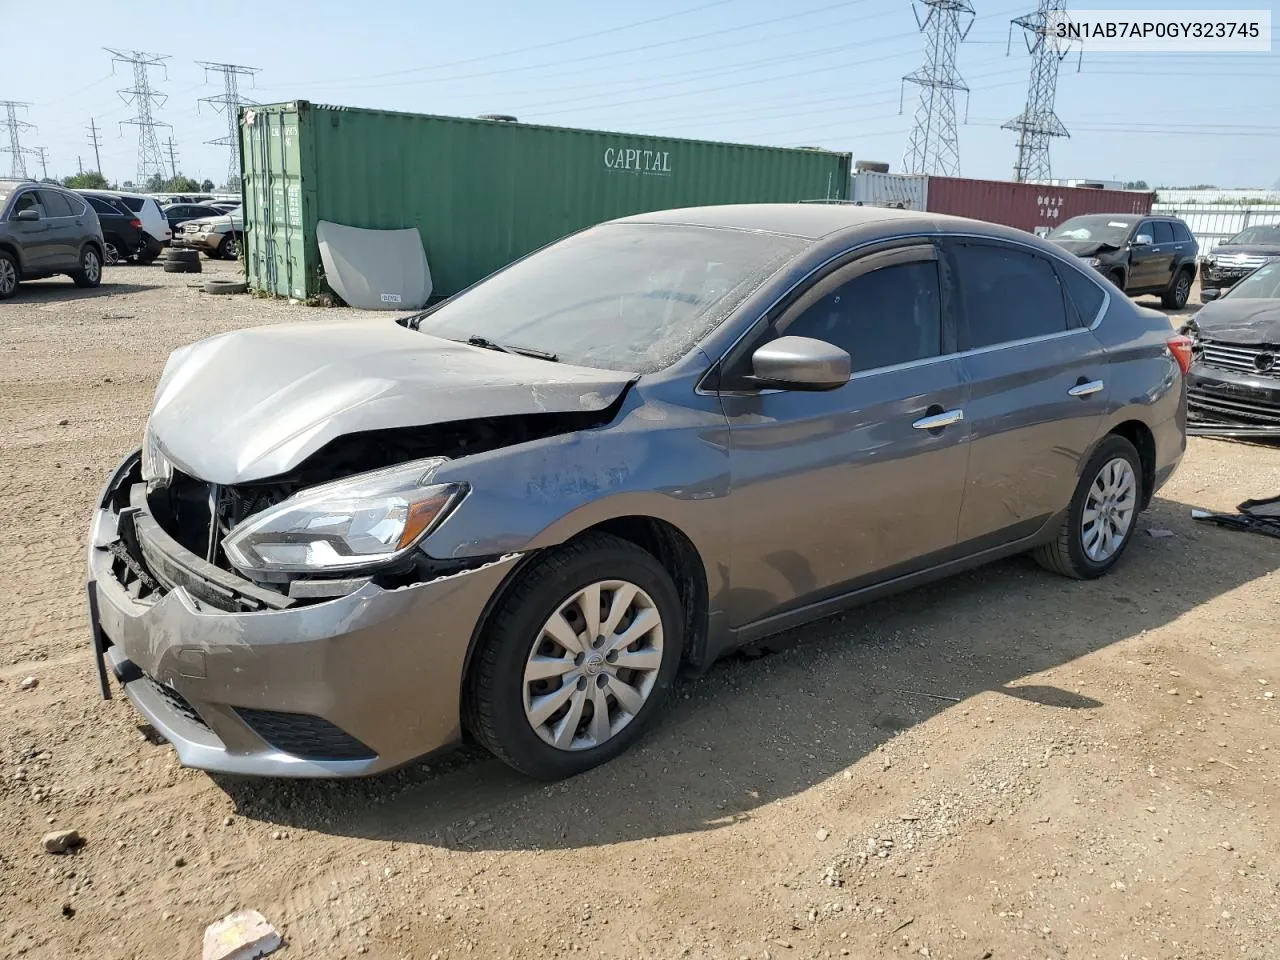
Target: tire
point(229, 249)
point(111, 255)
point(148, 252)
point(501, 702)
point(182, 256)
point(1117, 278)
point(182, 266)
point(1175, 298)
point(220, 287)
point(90, 273)
point(9, 275)
point(1068, 553)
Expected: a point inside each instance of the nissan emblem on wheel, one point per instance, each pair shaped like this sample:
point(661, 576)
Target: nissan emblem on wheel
point(516, 516)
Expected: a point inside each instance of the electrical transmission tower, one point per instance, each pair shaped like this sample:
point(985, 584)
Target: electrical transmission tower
point(17, 152)
point(150, 159)
point(934, 146)
point(1037, 124)
point(96, 140)
point(229, 103)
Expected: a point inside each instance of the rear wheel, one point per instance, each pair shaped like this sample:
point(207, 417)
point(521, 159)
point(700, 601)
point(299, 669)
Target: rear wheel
point(8, 275)
point(111, 254)
point(576, 659)
point(1102, 516)
point(1175, 298)
point(90, 272)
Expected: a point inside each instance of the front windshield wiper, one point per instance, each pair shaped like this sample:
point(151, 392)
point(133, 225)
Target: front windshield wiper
point(488, 344)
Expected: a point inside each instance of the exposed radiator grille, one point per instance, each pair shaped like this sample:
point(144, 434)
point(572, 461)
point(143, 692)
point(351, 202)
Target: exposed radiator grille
point(1253, 359)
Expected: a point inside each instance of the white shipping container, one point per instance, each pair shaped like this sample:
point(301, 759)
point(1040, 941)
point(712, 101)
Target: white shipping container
point(906, 191)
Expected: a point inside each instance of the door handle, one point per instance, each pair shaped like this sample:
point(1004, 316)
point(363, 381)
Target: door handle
point(1086, 389)
point(939, 420)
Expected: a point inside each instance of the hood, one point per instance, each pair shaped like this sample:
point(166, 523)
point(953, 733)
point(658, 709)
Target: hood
point(1085, 248)
point(255, 403)
point(1248, 249)
point(1236, 320)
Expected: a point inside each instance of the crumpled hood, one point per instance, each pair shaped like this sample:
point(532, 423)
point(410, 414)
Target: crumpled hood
point(1240, 321)
point(255, 403)
point(1085, 248)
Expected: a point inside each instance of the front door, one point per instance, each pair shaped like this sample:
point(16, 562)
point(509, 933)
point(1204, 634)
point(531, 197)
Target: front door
point(1146, 259)
point(32, 235)
point(1038, 382)
point(835, 490)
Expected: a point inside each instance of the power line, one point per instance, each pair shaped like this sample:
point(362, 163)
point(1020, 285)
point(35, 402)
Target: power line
point(1037, 124)
point(934, 146)
point(150, 158)
point(228, 103)
point(17, 152)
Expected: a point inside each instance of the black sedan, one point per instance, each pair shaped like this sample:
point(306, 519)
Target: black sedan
point(1234, 382)
point(122, 234)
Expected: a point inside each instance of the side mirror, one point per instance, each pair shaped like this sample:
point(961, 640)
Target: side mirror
point(1142, 240)
point(28, 215)
point(800, 363)
point(1211, 293)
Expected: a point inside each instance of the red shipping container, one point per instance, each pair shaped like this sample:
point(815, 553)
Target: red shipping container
point(1029, 206)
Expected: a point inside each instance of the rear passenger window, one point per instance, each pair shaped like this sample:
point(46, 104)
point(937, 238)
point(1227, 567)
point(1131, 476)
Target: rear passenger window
point(1181, 233)
point(1164, 231)
point(1006, 294)
point(133, 203)
point(1083, 295)
point(885, 317)
point(54, 204)
point(102, 206)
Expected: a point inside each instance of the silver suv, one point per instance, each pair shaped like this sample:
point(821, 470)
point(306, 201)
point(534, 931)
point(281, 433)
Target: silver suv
point(45, 230)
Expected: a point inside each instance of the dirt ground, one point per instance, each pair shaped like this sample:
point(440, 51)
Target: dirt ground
point(1006, 765)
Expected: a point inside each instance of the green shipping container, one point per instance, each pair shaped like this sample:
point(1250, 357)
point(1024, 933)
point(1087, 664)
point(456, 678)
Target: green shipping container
point(481, 192)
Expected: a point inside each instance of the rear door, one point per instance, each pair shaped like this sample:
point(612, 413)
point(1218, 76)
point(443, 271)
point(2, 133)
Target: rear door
point(32, 235)
point(1166, 253)
point(63, 235)
point(1037, 382)
point(839, 489)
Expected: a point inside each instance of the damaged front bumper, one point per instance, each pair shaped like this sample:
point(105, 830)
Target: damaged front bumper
point(242, 680)
point(1223, 402)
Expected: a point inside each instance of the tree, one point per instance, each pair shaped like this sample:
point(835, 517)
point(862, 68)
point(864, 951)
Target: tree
point(89, 180)
point(1136, 185)
point(206, 186)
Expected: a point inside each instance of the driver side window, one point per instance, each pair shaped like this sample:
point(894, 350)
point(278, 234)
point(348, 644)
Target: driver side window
point(881, 318)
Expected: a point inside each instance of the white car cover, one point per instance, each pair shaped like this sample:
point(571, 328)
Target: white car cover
point(375, 269)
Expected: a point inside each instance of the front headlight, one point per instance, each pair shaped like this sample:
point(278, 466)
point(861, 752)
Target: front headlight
point(351, 524)
point(157, 471)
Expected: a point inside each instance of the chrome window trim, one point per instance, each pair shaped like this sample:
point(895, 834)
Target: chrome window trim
point(700, 390)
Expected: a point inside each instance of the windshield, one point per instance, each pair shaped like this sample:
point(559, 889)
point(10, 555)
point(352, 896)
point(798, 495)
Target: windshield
point(1096, 229)
point(1261, 235)
point(631, 297)
point(1262, 284)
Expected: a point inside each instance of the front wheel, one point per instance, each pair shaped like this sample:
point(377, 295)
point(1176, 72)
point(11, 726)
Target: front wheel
point(230, 247)
point(576, 659)
point(1102, 516)
point(8, 276)
point(1175, 298)
point(90, 272)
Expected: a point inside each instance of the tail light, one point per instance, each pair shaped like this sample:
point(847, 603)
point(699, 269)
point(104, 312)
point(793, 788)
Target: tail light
point(136, 224)
point(1180, 347)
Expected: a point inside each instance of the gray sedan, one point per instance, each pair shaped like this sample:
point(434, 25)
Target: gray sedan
point(346, 544)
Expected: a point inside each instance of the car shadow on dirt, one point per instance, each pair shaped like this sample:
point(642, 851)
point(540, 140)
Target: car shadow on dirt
point(753, 731)
point(54, 290)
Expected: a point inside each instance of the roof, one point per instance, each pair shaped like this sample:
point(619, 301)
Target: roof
point(807, 220)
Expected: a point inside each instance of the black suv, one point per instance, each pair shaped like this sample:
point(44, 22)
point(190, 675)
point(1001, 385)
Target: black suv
point(1236, 258)
point(1140, 255)
point(45, 230)
point(122, 233)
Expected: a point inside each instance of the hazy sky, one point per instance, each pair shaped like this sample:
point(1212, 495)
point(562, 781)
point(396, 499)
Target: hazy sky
point(816, 72)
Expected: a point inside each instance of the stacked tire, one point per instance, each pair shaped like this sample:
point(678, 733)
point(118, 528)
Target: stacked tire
point(182, 261)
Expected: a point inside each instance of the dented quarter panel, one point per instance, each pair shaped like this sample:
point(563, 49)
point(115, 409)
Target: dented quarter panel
point(255, 403)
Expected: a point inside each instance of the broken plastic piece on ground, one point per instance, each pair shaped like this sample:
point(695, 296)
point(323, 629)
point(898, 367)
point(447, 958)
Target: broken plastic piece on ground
point(1255, 516)
point(243, 935)
point(1159, 533)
